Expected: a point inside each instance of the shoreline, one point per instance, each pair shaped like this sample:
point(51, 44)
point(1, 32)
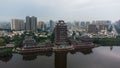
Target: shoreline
point(51, 49)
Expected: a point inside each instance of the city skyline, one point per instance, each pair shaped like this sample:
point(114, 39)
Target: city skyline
point(68, 10)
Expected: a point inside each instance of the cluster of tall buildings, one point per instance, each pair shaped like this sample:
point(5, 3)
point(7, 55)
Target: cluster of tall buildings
point(31, 24)
point(61, 29)
point(96, 26)
point(82, 23)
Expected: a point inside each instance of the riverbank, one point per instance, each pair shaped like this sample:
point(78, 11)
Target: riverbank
point(61, 48)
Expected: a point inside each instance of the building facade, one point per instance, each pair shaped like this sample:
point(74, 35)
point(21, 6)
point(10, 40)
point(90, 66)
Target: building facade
point(82, 23)
point(17, 24)
point(103, 27)
point(92, 28)
point(31, 24)
point(40, 24)
point(44, 27)
point(52, 25)
point(60, 33)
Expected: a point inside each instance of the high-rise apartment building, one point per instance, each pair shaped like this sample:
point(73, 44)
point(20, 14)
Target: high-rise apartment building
point(60, 33)
point(40, 24)
point(28, 23)
point(31, 24)
point(17, 24)
point(44, 27)
point(52, 25)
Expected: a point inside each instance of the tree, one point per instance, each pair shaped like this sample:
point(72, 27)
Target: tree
point(2, 42)
point(18, 39)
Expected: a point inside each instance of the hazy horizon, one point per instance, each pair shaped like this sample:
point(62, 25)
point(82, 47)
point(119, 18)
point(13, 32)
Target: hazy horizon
point(68, 10)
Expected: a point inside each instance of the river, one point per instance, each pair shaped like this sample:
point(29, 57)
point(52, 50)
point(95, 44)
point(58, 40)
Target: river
point(99, 57)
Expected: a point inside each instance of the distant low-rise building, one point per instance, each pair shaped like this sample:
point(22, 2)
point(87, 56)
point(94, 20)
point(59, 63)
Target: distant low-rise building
point(92, 28)
point(29, 42)
point(103, 27)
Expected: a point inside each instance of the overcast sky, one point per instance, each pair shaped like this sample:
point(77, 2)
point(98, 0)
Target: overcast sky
point(69, 10)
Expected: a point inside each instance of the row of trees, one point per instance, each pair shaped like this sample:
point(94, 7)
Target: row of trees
point(107, 41)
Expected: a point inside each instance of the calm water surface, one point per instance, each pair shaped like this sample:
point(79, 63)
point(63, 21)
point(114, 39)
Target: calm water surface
point(100, 57)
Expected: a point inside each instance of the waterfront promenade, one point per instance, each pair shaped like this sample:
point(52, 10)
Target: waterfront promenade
point(55, 48)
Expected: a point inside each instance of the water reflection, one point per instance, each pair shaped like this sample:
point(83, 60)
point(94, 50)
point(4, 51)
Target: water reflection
point(100, 57)
point(111, 48)
point(60, 60)
point(60, 57)
point(85, 51)
point(28, 57)
point(6, 58)
point(33, 56)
